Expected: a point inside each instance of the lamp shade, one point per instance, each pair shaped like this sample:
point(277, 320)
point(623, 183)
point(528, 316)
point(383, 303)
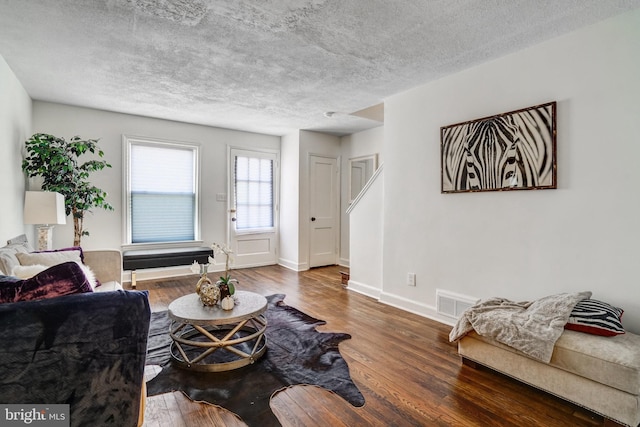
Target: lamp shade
point(44, 207)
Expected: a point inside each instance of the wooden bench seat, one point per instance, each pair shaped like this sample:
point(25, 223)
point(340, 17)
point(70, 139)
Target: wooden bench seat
point(155, 258)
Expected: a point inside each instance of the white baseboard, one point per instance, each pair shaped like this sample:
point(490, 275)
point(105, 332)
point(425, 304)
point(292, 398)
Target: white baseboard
point(291, 265)
point(402, 303)
point(343, 262)
point(364, 289)
point(414, 307)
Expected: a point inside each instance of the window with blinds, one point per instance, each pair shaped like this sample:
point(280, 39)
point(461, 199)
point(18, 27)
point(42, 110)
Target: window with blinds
point(162, 196)
point(254, 193)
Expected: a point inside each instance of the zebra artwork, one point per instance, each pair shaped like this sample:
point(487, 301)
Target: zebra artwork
point(510, 151)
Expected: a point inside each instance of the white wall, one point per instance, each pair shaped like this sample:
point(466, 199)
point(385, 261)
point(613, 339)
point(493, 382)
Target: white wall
point(289, 255)
point(15, 129)
point(523, 244)
point(294, 193)
point(106, 227)
point(366, 231)
point(359, 144)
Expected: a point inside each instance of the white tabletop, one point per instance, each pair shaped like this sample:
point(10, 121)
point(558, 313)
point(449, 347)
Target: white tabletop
point(189, 309)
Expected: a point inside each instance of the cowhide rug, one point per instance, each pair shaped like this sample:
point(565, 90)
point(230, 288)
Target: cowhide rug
point(296, 354)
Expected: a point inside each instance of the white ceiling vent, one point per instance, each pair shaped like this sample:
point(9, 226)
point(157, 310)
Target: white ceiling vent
point(451, 304)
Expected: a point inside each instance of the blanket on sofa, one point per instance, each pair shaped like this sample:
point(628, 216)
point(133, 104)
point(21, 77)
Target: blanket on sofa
point(530, 327)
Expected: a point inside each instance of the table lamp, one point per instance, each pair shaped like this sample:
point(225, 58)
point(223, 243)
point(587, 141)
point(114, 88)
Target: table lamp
point(44, 208)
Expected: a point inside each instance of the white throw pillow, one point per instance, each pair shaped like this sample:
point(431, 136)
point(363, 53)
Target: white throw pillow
point(89, 274)
point(28, 271)
point(48, 258)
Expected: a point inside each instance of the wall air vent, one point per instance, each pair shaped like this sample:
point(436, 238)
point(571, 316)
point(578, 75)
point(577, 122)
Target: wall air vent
point(451, 304)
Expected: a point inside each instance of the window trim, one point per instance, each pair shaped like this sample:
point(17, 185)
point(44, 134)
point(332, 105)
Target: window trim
point(127, 142)
point(255, 230)
point(248, 151)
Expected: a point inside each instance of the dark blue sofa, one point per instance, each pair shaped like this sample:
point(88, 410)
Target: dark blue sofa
point(86, 350)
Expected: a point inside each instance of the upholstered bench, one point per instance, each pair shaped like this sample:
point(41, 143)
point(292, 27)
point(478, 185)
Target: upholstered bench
point(154, 258)
point(599, 373)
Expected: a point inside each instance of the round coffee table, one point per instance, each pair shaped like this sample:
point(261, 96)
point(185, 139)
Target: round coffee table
point(199, 331)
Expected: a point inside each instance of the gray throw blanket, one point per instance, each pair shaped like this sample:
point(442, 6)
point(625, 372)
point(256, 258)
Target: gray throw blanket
point(531, 327)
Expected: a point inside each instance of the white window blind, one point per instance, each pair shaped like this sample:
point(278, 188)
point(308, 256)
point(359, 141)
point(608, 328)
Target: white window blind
point(254, 193)
point(163, 193)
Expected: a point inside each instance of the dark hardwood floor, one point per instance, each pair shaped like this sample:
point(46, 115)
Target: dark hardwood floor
point(404, 365)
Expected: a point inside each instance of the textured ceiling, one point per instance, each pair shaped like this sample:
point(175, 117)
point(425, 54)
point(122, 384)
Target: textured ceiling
point(268, 66)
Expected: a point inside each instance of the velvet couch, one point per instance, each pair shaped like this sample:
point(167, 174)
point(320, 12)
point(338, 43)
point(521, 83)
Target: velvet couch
point(85, 349)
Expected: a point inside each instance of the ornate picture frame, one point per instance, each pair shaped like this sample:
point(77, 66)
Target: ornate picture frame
point(509, 151)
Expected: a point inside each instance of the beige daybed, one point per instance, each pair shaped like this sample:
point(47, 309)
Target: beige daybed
point(600, 373)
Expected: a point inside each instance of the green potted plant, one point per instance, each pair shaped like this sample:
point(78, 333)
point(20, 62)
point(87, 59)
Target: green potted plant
point(226, 283)
point(57, 162)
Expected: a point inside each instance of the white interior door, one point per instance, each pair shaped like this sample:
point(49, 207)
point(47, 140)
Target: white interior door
point(324, 193)
point(253, 228)
point(358, 179)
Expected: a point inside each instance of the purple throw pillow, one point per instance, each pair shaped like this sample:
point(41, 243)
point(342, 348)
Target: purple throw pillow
point(62, 279)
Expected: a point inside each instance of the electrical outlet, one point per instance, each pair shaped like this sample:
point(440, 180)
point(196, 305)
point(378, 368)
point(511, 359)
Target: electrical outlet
point(411, 279)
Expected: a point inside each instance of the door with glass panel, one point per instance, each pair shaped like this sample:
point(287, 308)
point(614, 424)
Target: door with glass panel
point(253, 219)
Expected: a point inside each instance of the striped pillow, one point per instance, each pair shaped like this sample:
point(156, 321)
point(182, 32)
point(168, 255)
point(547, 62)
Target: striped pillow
point(596, 317)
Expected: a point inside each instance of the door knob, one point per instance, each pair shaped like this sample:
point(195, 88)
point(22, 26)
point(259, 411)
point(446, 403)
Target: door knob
point(313, 218)
point(233, 219)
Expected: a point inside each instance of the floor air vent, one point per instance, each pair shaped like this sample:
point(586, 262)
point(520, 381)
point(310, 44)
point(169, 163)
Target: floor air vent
point(451, 304)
